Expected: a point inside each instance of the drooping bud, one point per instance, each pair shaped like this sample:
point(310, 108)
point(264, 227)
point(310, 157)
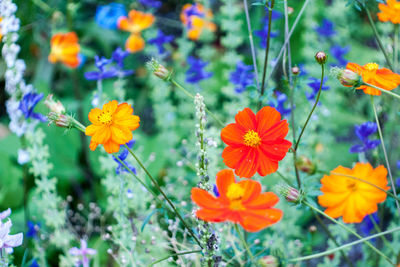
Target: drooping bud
point(304, 164)
point(291, 194)
point(268, 261)
point(295, 70)
point(159, 70)
point(56, 107)
point(64, 121)
point(321, 57)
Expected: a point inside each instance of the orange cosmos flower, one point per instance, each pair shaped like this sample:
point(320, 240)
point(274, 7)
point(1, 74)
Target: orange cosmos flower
point(240, 202)
point(255, 142)
point(65, 48)
point(0, 29)
point(112, 126)
point(370, 73)
point(390, 11)
point(196, 18)
point(350, 198)
point(135, 23)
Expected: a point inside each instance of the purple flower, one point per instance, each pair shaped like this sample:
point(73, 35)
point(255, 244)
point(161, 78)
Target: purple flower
point(82, 252)
point(215, 190)
point(242, 77)
point(28, 104)
point(122, 156)
point(196, 71)
point(193, 10)
point(107, 16)
point(338, 53)
point(303, 71)
point(34, 263)
point(7, 241)
point(103, 73)
point(160, 40)
point(33, 229)
point(314, 84)
point(363, 132)
point(118, 56)
point(263, 33)
point(151, 3)
point(367, 225)
point(280, 106)
point(326, 28)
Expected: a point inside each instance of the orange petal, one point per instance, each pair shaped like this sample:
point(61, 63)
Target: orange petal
point(205, 200)
point(135, 43)
point(252, 190)
point(263, 201)
point(232, 135)
point(212, 215)
point(224, 179)
point(93, 116)
point(111, 147)
point(246, 119)
point(248, 164)
point(266, 118)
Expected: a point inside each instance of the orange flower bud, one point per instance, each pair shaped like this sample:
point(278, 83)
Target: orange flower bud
point(304, 164)
point(321, 57)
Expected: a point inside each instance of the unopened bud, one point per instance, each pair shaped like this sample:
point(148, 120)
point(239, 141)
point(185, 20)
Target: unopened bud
point(321, 57)
point(349, 78)
point(56, 107)
point(268, 261)
point(290, 10)
point(61, 120)
point(312, 229)
point(291, 194)
point(304, 164)
point(296, 70)
point(159, 70)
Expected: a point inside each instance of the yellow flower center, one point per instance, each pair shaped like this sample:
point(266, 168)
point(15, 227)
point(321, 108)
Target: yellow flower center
point(251, 138)
point(105, 117)
point(397, 6)
point(371, 66)
point(235, 194)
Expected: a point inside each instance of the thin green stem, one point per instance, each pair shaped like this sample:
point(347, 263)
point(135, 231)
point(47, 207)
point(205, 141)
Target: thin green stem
point(350, 231)
point(330, 235)
point(173, 255)
point(377, 37)
point(378, 230)
point(180, 87)
point(293, 124)
point(244, 242)
point(270, 7)
point(384, 153)
point(253, 50)
point(100, 92)
point(164, 195)
point(349, 245)
point(383, 90)
point(313, 108)
point(396, 47)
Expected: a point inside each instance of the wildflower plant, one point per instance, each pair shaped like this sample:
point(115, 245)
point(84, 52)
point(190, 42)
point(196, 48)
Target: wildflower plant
point(161, 133)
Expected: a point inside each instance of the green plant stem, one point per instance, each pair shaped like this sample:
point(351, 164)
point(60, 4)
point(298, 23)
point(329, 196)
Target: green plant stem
point(383, 90)
point(349, 245)
point(164, 195)
point(180, 87)
point(313, 108)
point(350, 231)
point(25, 177)
point(253, 50)
point(396, 47)
point(262, 89)
point(244, 243)
point(330, 235)
point(173, 255)
point(378, 230)
point(293, 124)
point(100, 92)
point(377, 37)
point(384, 153)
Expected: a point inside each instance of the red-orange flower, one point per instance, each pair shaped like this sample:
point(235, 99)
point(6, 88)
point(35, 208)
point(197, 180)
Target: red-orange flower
point(112, 126)
point(353, 199)
point(196, 18)
point(65, 48)
point(370, 73)
point(390, 11)
point(239, 202)
point(135, 23)
point(255, 142)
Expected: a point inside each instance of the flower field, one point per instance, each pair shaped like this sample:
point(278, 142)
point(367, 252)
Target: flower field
point(199, 133)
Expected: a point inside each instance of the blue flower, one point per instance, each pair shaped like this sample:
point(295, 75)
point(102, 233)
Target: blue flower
point(151, 3)
point(107, 16)
point(215, 190)
point(122, 156)
point(314, 85)
point(28, 104)
point(103, 73)
point(338, 53)
point(160, 40)
point(363, 132)
point(196, 71)
point(193, 10)
point(118, 56)
point(303, 71)
point(33, 229)
point(326, 29)
point(242, 77)
point(367, 225)
point(34, 263)
point(280, 106)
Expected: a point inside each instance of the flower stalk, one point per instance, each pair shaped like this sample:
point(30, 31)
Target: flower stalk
point(241, 237)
